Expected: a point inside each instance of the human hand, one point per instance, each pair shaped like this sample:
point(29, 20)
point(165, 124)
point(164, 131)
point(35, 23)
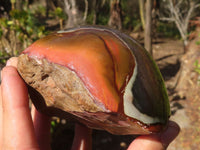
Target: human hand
point(158, 141)
point(21, 129)
point(25, 130)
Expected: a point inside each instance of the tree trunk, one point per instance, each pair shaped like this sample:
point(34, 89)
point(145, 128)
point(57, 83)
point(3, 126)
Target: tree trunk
point(142, 12)
point(19, 4)
point(86, 11)
point(94, 17)
point(115, 15)
point(47, 8)
point(71, 11)
point(155, 18)
point(75, 17)
point(147, 38)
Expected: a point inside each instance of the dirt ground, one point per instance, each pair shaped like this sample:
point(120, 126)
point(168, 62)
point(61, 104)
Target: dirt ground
point(186, 112)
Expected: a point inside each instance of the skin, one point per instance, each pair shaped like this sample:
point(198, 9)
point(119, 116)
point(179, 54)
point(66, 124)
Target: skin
point(25, 130)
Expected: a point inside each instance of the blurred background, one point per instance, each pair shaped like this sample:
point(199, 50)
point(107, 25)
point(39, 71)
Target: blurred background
point(168, 29)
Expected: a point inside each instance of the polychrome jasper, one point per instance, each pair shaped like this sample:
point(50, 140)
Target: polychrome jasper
point(101, 77)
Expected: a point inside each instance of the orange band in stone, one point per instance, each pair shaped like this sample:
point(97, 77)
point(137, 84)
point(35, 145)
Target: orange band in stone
point(100, 59)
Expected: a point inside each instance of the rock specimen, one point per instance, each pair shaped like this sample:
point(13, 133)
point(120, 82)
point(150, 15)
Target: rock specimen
point(100, 77)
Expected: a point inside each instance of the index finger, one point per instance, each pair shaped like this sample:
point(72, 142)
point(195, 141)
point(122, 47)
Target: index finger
point(18, 131)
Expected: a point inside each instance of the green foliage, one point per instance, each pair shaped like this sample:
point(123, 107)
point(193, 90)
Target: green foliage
point(103, 14)
point(130, 15)
point(198, 42)
point(26, 25)
point(3, 55)
point(168, 29)
point(18, 29)
point(53, 126)
point(197, 66)
point(102, 19)
point(90, 18)
point(197, 69)
point(12, 1)
point(131, 22)
point(58, 12)
point(40, 11)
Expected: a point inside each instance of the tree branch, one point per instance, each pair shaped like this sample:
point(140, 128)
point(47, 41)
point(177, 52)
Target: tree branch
point(166, 19)
point(197, 5)
point(189, 14)
point(86, 10)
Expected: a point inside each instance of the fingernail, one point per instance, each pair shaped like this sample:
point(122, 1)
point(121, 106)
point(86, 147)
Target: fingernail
point(170, 133)
point(8, 63)
point(12, 62)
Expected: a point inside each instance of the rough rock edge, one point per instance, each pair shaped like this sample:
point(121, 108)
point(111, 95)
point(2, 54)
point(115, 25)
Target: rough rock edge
point(68, 94)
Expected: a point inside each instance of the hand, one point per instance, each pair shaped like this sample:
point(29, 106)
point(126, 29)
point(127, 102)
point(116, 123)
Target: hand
point(158, 141)
point(24, 130)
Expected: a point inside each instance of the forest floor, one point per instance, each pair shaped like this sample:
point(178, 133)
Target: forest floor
point(185, 111)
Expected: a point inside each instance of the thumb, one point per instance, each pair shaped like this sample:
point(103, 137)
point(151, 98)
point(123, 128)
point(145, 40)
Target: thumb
point(158, 141)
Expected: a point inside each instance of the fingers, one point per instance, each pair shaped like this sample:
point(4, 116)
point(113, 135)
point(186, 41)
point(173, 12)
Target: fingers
point(42, 125)
point(18, 131)
point(11, 62)
point(41, 122)
point(82, 138)
point(1, 121)
point(157, 142)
